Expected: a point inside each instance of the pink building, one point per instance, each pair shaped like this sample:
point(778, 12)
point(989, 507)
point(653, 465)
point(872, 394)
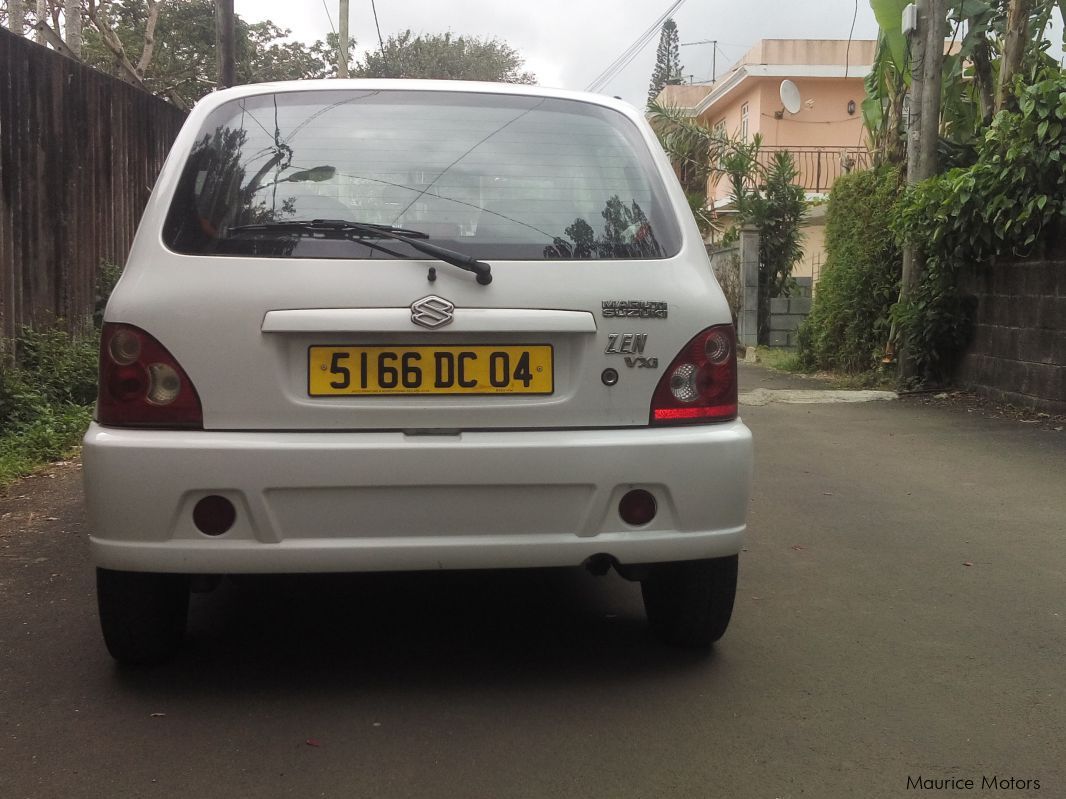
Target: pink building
point(825, 135)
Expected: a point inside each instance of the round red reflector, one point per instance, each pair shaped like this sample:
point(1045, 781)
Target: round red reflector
point(126, 382)
point(637, 507)
point(214, 515)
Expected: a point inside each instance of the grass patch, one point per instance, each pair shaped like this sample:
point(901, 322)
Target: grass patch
point(45, 399)
point(784, 359)
point(53, 435)
point(882, 381)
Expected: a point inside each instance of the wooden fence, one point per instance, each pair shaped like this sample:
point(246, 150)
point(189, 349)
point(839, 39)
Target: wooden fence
point(79, 152)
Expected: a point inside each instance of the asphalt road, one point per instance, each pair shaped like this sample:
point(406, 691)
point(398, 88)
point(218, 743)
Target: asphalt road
point(901, 614)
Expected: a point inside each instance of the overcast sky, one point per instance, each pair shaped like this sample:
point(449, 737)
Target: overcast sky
point(568, 43)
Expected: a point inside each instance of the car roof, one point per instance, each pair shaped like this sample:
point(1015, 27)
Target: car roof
point(217, 98)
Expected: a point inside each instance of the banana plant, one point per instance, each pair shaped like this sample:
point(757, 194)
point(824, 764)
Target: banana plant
point(971, 73)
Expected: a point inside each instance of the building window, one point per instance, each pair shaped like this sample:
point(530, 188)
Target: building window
point(744, 122)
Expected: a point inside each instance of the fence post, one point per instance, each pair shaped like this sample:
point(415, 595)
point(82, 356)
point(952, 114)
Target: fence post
point(748, 319)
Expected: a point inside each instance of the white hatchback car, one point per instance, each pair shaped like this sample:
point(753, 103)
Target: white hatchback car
point(405, 325)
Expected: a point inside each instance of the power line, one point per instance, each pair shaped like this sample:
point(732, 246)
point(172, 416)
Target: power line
point(330, 18)
point(851, 33)
point(632, 51)
point(381, 42)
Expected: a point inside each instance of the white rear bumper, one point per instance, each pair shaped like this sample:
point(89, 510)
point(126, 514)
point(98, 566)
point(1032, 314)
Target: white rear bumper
point(319, 502)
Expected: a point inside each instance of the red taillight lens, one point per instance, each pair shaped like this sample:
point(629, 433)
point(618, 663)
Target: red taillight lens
point(700, 384)
point(141, 385)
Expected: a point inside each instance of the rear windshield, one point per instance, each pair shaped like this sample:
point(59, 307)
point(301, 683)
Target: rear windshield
point(492, 176)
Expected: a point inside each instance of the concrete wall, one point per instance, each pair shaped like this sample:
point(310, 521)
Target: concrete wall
point(1018, 353)
point(786, 315)
point(722, 259)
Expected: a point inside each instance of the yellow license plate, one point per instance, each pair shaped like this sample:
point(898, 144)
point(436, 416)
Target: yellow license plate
point(346, 371)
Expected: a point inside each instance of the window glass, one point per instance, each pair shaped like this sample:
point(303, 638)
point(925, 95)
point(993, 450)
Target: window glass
point(493, 176)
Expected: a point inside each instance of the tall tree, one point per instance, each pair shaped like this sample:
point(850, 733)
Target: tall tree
point(181, 63)
point(668, 68)
point(102, 20)
point(442, 56)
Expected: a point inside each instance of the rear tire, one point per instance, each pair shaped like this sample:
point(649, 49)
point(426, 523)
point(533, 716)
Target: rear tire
point(689, 603)
point(142, 614)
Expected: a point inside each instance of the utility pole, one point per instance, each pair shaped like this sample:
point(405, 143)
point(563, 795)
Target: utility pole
point(16, 17)
point(42, 16)
point(342, 41)
point(923, 130)
point(914, 137)
point(225, 41)
point(932, 77)
point(72, 25)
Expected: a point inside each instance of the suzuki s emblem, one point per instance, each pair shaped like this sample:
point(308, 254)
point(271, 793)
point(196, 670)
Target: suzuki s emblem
point(432, 312)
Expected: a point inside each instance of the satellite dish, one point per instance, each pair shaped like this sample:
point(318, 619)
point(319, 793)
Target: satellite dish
point(790, 96)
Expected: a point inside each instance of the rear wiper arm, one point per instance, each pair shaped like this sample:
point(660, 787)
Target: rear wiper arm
point(326, 226)
point(414, 238)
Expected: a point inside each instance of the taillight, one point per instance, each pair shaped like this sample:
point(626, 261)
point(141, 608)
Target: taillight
point(700, 384)
point(141, 385)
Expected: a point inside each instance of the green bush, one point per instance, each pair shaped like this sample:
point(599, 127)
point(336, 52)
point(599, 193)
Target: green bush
point(1006, 203)
point(45, 400)
point(849, 323)
point(46, 395)
point(106, 278)
point(63, 367)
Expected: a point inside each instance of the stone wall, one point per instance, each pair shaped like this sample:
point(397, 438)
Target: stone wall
point(787, 314)
point(1018, 352)
point(737, 270)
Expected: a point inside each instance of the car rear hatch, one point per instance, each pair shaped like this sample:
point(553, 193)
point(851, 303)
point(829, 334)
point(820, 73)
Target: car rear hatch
point(596, 286)
point(291, 355)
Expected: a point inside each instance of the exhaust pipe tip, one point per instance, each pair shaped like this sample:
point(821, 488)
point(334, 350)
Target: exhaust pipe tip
point(600, 563)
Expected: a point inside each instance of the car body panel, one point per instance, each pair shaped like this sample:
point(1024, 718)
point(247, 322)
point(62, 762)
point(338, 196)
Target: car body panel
point(413, 482)
point(373, 501)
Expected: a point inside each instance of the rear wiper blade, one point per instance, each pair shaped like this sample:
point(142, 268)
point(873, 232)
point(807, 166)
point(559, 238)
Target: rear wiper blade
point(414, 238)
point(326, 226)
